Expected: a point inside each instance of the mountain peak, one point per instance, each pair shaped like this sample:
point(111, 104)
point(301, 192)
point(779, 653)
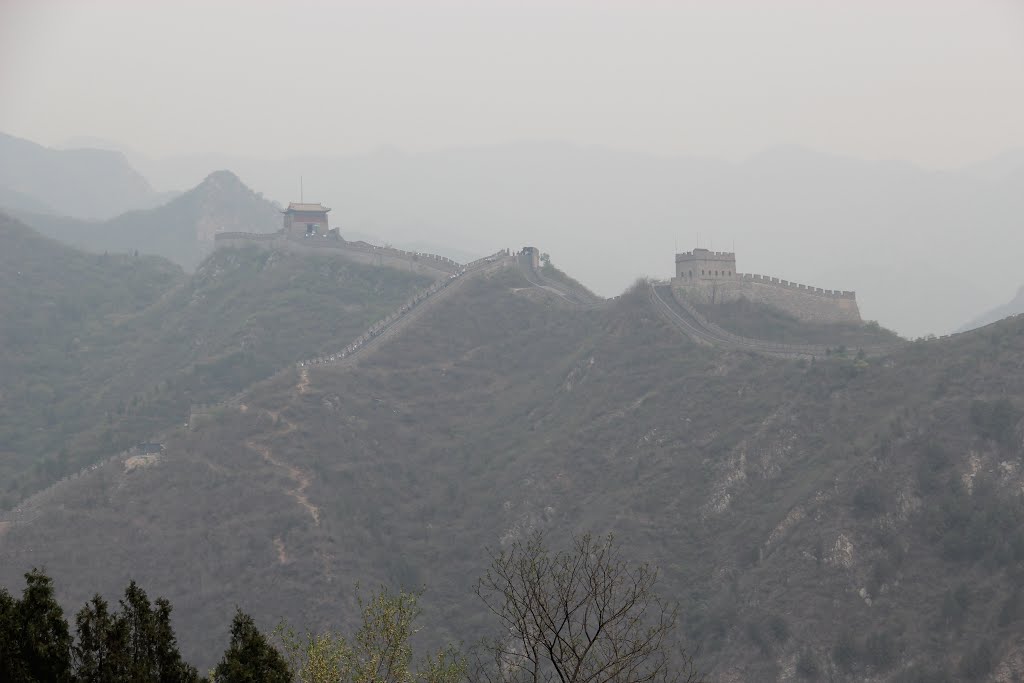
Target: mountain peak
point(223, 175)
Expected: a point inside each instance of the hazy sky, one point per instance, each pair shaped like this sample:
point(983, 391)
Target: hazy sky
point(938, 82)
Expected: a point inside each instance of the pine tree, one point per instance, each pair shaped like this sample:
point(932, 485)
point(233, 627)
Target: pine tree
point(100, 655)
point(152, 649)
point(35, 644)
point(250, 658)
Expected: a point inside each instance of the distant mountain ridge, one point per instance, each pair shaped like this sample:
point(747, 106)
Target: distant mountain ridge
point(93, 184)
point(900, 235)
point(1012, 307)
point(181, 230)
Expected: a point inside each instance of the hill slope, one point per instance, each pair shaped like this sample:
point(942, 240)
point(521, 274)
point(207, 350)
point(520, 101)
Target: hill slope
point(54, 300)
point(181, 230)
point(101, 351)
point(84, 183)
point(839, 519)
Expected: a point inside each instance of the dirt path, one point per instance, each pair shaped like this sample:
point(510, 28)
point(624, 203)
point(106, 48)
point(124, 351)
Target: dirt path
point(301, 479)
point(282, 556)
point(303, 386)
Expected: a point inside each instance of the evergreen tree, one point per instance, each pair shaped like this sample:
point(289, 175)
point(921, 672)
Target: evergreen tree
point(10, 640)
point(100, 655)
point(152, 649)
point(250, 658)
point(35, 644)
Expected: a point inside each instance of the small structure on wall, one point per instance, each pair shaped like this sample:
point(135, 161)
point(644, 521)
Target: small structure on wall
point(305, 220)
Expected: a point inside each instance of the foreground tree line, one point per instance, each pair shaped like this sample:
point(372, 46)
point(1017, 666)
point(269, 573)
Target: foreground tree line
point(582, 615)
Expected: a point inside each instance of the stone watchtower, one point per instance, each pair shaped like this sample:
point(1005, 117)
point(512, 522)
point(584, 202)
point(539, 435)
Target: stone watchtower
point(305, 220)
point(705, 265)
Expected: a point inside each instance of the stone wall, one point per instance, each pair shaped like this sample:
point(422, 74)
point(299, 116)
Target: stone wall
point(430, 265)
point(811, 304)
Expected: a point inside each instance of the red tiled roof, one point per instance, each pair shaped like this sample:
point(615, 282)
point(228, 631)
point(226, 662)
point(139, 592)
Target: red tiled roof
point(315, 208)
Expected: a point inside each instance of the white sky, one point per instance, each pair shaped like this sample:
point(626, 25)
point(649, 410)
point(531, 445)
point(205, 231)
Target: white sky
point(937, 82)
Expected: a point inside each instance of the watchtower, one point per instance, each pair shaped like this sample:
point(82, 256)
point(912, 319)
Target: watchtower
point(706, 265)
point(305, 220)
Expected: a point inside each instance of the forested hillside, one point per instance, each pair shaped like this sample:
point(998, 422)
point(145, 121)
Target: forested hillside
point(833, 520)
point(100, 351)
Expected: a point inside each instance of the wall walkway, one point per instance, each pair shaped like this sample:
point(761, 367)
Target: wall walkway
point(570, 295)
point(684, 317)
point(420, 262)
point(410, 311)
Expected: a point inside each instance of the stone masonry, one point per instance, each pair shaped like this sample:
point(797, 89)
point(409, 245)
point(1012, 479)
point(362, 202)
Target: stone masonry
point(707, 277)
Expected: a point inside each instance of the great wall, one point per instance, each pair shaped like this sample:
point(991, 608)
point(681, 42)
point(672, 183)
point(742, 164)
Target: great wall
point(710, 277)
point(682, 315)
point(669, 299)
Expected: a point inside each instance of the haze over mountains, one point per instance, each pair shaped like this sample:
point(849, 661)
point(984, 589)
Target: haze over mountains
point(306, 305)
point(804, 216)
point(855, 515)
point(925, 250)
point(86, 183)
point(181, 230)
point(1013, 307)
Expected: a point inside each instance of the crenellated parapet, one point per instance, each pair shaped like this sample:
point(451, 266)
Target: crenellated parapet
point(774, 281)
point(706, 265)
point(710, 277)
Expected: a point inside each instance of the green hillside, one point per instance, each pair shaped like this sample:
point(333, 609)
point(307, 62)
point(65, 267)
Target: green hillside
point(835, 520)
point(57, 304)
point(99, 352)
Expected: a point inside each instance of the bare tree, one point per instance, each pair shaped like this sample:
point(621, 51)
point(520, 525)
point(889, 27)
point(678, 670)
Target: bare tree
point(578, 616)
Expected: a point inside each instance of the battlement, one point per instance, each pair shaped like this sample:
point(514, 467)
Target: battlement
point(704, 253)
point(708, 276)
point(767, 280)
point(706, 265)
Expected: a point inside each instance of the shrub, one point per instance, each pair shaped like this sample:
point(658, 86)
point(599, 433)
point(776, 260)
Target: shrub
point(869, 499)
point(979, 662)
point(880, 650)
point(807, 667)
point(994, 420)
point(846, 653)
